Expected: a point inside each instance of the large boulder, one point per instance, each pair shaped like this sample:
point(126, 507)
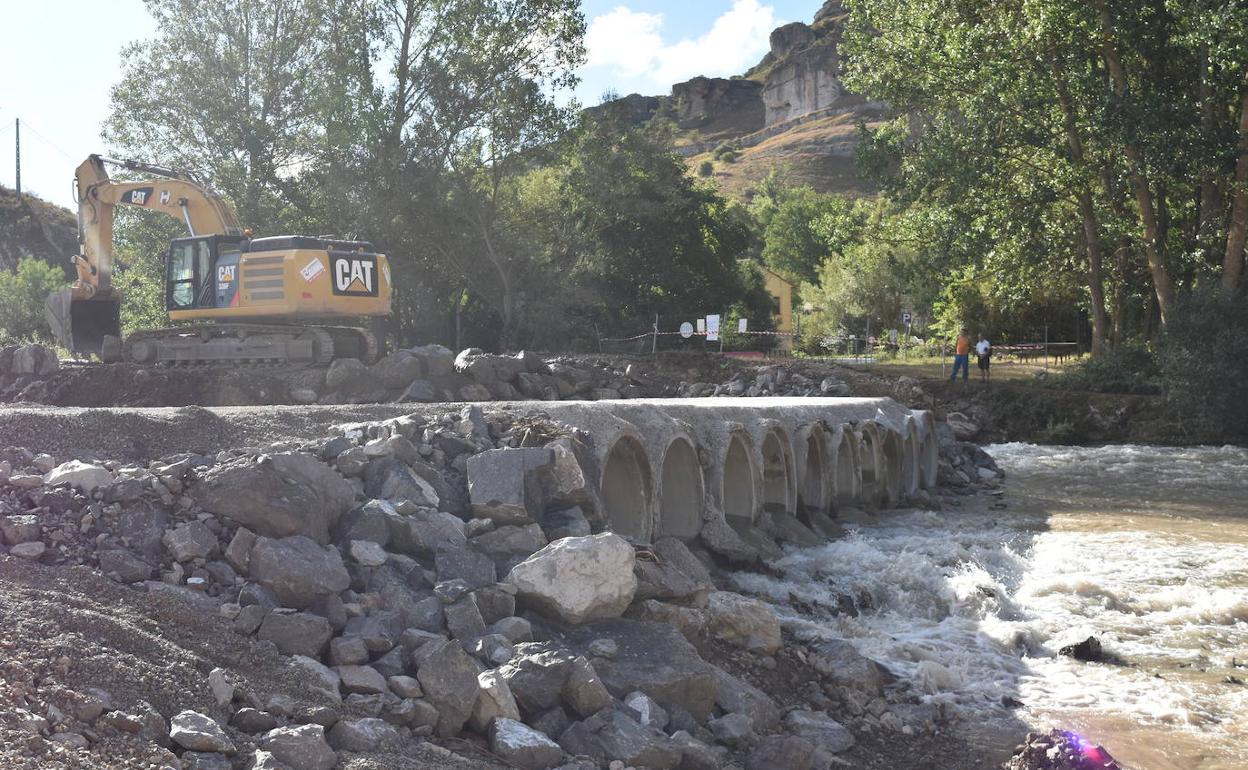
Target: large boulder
point(578, 578)
point(191, 540)
point(826, 733)
point(349, 376)
point(195, 732)
point(736, 696)
point(389, 478)
point(422, 532)
point(303, 747)
point(614, 735)
point(841, 662)
point(653, 658)
point(33, 360)
point(296, 633)
point(506, 485)
point(536, 675)
point(278, 496)
point(75, 473)
point(743, 622)
point(366, 734)
point(494, 702)
point(522, 746)
point(449, 679)
point(297, 570)
point(437, 360)
point(398, 369)
point(782, 752)
point(963, 428)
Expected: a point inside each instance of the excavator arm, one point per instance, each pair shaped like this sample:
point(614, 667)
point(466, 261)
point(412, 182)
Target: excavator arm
point(86, 315)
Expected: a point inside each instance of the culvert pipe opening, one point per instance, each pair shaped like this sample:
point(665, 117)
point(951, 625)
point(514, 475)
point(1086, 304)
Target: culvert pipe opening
point(872, 487)
point(811, 497)
point(681, 491)
point(893, 459)
point(910, 461)
point(626, 489)
point(847, 482)
point(775, 475)
point(738, 489)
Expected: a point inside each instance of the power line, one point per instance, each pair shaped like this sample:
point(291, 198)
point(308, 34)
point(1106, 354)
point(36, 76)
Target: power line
point(48, 141)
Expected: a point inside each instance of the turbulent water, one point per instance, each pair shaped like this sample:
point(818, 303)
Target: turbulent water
point(1146, 548)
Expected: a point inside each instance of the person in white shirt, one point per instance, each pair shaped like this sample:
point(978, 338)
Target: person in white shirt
point(983, 349)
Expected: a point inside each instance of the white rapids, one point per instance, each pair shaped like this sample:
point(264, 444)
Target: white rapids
point(1145, 548)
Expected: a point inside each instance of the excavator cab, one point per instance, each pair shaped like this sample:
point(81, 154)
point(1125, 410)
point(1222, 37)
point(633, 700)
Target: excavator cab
point(201, 272)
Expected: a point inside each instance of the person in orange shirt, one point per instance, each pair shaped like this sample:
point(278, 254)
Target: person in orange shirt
point(962, 357)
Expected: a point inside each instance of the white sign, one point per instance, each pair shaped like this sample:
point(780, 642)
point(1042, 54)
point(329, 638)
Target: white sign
point(686, 330)
point(311, 270)
point(742, 325)
point(712, 328)
point(701, 325)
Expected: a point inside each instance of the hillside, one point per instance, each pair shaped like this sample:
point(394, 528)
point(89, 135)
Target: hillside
point(33, 227)
point(789, 111)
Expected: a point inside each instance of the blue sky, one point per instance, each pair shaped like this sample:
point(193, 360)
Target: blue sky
point(60, 67)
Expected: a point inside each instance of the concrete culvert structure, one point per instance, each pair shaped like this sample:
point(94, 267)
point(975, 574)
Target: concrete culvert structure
point(681, 491)
point(845, 474)
point(893, 455)
point(777, 478)
point(811, 494)
point(870, 465)
point(929, 450)
point(739, 500)
point(910, 459)
point(626, 489)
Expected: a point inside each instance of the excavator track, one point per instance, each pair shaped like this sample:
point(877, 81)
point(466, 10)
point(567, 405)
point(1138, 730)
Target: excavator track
point(249, 345)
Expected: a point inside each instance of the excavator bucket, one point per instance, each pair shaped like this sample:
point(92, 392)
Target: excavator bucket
point(82, 325)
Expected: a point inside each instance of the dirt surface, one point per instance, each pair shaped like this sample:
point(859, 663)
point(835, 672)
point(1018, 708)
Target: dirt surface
point(68, 634)
point(143, 434)
point(128, 385)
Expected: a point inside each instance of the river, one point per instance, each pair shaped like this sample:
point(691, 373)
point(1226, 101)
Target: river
point(1144, 547)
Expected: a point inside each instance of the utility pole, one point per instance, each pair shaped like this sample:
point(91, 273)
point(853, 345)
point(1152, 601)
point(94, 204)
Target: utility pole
point(18, 137)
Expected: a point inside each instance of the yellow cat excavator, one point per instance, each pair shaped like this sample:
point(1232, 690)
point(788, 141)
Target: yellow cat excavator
point(287, 299)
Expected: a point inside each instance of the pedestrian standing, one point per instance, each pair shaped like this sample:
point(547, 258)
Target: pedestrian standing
point(983, 350)
point(962, 356)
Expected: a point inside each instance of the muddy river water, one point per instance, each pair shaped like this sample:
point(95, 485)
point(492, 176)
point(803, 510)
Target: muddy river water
point(1145, 548)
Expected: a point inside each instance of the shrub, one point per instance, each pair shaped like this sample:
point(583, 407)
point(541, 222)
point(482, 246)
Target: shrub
point(706, 168)
point(726, 152)
point(22, 294)
point(1203, 358)
point(1128, 368)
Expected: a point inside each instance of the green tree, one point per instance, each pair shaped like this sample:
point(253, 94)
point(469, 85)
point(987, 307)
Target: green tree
point(230, 88)
point(1111, 128)
point(22, 294)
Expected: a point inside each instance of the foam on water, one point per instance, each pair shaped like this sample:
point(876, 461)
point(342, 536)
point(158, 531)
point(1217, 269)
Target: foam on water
point(973, 607)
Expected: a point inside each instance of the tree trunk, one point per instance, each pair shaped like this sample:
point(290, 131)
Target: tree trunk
point(1233, 260)
point(1163, 286)
point(1210, 201)
point(1087, 211)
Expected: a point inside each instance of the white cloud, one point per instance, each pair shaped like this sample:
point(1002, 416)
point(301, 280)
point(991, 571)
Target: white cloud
point(624, 44)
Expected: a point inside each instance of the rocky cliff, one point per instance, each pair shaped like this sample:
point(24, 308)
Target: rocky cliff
point(789, 110)
point(32, 227)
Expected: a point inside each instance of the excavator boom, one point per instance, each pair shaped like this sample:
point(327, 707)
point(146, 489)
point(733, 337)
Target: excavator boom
point(86, 316)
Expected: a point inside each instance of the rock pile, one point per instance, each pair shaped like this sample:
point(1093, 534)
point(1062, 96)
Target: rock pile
point(444, 577)
point(434, 373)
point(27, 361)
